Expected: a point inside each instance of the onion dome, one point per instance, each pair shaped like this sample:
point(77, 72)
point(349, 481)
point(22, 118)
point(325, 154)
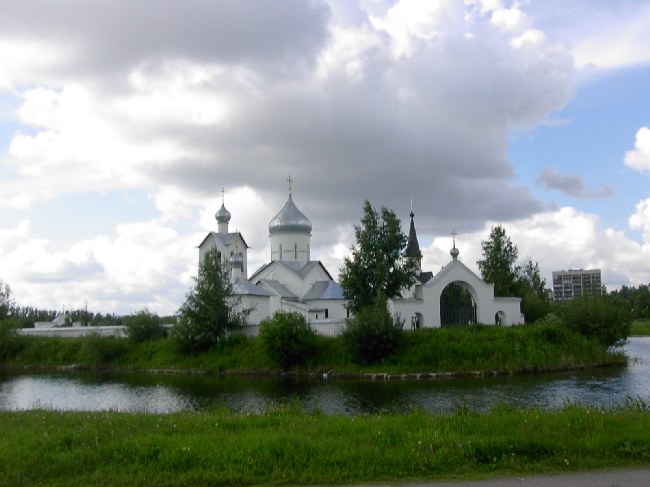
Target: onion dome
point(454, 251)
point(223, 215)
point(290, 220)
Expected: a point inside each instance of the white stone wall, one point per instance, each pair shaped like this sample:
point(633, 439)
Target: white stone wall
point(69, 332)
point(295, 246)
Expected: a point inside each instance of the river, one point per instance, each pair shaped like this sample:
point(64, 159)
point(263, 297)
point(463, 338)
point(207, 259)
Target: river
point(150, 393)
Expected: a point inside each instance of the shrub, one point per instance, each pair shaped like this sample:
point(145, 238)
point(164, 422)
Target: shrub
point(143, 326)
point(288, 339)
point(98, 350)
point(373, 333)
point(601, 317)
point(10, 341)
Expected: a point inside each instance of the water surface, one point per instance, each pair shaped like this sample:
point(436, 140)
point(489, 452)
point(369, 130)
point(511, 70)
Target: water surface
point(94, 391)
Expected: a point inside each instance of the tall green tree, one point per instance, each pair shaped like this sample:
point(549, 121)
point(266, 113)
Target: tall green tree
point(377, 268)
point(6, 302)
point(498, 265)
point(531, 287)
point(210, 311)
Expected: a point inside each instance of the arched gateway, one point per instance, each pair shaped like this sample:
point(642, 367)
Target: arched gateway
point(426, 297)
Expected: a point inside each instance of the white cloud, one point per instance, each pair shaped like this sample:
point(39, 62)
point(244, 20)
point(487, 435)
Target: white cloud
point(22, 62)
point(639, 158)
point(510, 19)
point(410, 22)
point(640, 219)
point(562, 239)
point(622, 46)
point(82, 143)
point(146, 264)
point(611, 36)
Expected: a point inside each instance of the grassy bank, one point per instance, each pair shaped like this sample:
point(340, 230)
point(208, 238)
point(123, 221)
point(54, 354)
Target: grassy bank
point(528, 348)
point(640, 328)
point(291, 447)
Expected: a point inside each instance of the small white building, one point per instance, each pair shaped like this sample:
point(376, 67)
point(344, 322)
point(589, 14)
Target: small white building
point(291, 281)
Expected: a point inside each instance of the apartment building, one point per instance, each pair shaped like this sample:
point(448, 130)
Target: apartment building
point(574, 283)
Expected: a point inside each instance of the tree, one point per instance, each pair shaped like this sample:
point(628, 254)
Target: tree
point(498, 263)
point(534, 303)
point(210, 311)
point(377, 268)
point(288, 339)
point(144, 325)
point(6, 302)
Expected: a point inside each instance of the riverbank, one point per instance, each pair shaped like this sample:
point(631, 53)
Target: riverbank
point(289, 446)
point(430, 353)
point(640, 328)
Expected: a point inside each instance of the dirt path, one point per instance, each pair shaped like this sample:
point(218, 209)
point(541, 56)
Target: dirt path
point(606, 478)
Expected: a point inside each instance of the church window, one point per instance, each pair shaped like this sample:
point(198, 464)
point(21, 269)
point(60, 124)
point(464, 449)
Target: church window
point(280, 251)
point(295, 251)
point(327, 314)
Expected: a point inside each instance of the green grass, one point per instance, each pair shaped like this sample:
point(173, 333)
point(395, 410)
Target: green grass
point(521, 349)
point(640, 328)
point(292, 447)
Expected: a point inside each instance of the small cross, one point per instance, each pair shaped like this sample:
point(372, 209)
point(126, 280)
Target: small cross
point(289, 180)
point(223, 195)
point(453, 236)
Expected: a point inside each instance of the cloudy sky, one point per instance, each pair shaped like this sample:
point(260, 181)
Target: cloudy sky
point(121, 122)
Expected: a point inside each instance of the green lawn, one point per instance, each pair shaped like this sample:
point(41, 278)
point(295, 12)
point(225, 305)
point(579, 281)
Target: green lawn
point(292, 447)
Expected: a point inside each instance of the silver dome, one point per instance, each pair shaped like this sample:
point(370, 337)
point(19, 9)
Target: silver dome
point(223, 215)
point(290, 220)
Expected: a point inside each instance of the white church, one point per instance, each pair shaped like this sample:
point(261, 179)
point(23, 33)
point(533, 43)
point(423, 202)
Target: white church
point(291, 281)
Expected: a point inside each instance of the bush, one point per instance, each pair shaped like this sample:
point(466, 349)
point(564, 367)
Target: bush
point(534, 308)
point(288, 339)
point(373, 333)
point(10, 341)
point(143, 326)
point(601, 317)
point(98, 350)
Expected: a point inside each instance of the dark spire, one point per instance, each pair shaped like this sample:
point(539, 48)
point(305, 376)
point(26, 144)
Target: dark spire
point(413, 247)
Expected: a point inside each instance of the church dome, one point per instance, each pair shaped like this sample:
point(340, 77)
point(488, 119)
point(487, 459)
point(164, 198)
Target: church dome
point(223, 215)
point(290, 220)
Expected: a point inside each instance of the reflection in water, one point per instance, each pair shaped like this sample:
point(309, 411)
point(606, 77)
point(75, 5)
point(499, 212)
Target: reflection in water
point(91, 391)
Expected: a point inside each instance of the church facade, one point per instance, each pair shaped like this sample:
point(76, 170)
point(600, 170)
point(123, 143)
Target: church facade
point(291, 281)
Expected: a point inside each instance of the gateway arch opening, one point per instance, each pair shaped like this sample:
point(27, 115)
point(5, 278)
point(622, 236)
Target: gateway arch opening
point(457, 306)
